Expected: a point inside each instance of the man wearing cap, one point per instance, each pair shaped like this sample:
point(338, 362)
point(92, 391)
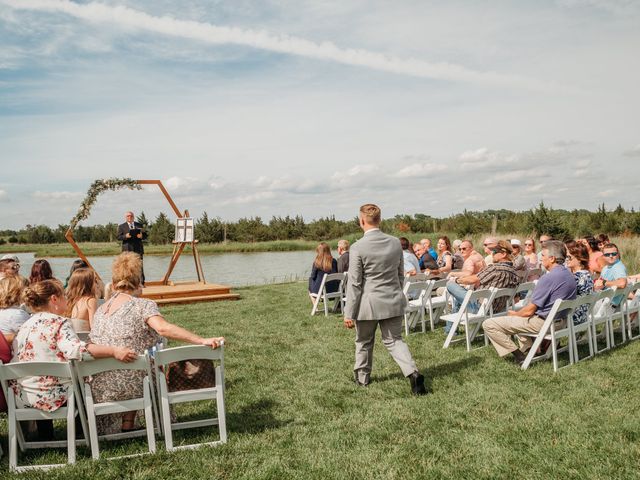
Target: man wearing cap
point(489, 244)
point(131, 234)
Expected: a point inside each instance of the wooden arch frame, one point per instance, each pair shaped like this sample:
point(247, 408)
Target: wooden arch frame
point(177, 249)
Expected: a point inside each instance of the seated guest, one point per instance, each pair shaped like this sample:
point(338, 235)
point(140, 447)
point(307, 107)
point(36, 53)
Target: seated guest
point(499, 273)
point(324, 263)
point(48, 337)
point(614, 273)
point(458, 259)
point(519, 263)
point(602, 239)
point(425, 260)
point(531, 258)
point(596, 261)
point(343, 259)
point(75, 266)
point(473, 263)
point(489, 244)
point(9, 266)
point(578, 263)
point(445, 258)
point(411, 266)
point(12, 314)
point(134, 323)
point(559, 283)
point(426, 245)
point(81, 299)
point(543, 241)
point(40, 270)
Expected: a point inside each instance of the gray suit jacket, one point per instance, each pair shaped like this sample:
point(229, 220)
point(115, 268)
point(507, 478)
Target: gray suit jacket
point(375, 278)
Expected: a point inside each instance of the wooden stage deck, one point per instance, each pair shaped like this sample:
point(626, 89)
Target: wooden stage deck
point(187, 292)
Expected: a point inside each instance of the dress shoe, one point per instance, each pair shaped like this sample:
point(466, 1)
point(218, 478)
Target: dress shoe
point(518, 356)
point(417, 383)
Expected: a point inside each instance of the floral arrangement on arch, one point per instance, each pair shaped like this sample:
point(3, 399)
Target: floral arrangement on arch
point(97, 187)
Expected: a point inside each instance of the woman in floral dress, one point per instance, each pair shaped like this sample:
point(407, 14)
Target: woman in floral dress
point(132, 322)
point(578, 263)
point(49, 337)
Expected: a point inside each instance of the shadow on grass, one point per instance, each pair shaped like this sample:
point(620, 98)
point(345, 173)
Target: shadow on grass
point(255, 418)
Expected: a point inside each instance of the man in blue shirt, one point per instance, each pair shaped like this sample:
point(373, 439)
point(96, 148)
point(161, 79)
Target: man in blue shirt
point(614, 273)
point(558, 283)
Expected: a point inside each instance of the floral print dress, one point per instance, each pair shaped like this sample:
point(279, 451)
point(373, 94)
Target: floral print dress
point(584, 286)
point(46, 337)
point(123, 327)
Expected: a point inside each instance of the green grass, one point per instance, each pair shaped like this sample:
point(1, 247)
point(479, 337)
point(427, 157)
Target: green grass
point(293, 411)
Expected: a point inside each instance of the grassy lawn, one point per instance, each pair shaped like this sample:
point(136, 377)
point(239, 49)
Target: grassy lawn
point(293, 411)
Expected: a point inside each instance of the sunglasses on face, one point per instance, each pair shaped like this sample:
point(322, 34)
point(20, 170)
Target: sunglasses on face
point(462, 249)
point(611, 254)
point(528, 244)
point(496, 250)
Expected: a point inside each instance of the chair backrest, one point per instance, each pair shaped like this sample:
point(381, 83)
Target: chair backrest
point(484, 297)
point(418, 277)
point(526, 287)
point(439, 284)
point(561, 309)
point(16, 370)
point(589, 300)
point(92, 367)
point(332, 277)
point(509, 293)
point(189, 352)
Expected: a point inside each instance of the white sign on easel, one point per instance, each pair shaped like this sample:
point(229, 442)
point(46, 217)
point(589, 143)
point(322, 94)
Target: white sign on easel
point(184, 230)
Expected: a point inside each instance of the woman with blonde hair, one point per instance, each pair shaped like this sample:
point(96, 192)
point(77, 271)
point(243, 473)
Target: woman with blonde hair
point(445, 257)
point(135, 323)
point(531, 258)
point(12, 314)
point(81, 299)
point(323, 263)
point(48, 337)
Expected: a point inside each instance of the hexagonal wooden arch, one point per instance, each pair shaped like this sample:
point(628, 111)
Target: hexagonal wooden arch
point(178, 247)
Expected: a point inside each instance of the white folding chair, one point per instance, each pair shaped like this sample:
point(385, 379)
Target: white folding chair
point(163, 358)
point(325, 296)
point(416, 293)
point(472, 322)
point(601, 315)
point(507, 293)
point(15, 414)
point(585, 328)
point(632, 309)
point(418, 277)
point(93, 367)
point(524, 291)
point(554, 328)
point(435, 303)
point(619, 313)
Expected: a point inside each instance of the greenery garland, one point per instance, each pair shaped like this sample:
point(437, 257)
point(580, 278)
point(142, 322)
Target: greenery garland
point(97, 187)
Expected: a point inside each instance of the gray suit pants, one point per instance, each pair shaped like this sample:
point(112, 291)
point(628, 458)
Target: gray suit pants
point(391, 330)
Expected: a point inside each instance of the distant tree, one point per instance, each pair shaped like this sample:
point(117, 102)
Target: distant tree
point(162, 231)
point(543, 220)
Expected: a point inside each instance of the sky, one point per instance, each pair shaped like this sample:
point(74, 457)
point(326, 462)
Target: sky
point(314, 107)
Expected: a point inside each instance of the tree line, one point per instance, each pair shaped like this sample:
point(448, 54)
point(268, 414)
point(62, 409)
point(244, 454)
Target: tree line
point(541, 219)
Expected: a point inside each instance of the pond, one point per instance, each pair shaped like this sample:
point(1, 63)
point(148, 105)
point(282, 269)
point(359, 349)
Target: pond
point(233, 269)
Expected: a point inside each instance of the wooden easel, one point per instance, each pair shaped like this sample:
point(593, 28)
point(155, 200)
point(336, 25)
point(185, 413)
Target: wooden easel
point(178, 247)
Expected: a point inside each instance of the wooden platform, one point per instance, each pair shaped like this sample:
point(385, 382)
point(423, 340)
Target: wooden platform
point(187, 292)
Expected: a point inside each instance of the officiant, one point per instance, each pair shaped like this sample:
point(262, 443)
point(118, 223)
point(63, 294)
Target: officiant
point(131, 234)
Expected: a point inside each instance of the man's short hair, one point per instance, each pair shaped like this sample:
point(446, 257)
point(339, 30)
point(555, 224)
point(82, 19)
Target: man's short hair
point(343, 244)
point(467, 241)
point(404, 243)
point(491, 240)
point(426, 242)
point(370, 213)
point(611, 245)
point(557, 249)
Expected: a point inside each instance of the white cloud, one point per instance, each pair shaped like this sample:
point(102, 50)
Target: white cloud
point(482, 158)
point(57, 196)
point(135, 20)
point(4, 196)
point(421, 170)
point(254, 197)
point(634, 152)
point(536, 188)
point(606, 193)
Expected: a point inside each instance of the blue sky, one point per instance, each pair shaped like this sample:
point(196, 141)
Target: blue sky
point(314, 107)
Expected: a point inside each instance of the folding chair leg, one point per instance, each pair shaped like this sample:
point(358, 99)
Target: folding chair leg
point(148, 416)
point(166, 424)
point(326, 306)
point(93, 427)
point(222, 419)
point(71, 429)
point(13, 442)
point(406, 325)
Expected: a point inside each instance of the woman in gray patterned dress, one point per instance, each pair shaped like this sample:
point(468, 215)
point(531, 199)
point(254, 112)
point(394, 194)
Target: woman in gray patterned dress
point(128, 321)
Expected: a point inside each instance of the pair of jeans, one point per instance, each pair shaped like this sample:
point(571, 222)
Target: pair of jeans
point(458, 292)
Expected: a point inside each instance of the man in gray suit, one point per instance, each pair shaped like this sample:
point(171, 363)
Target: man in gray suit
point(375, 298)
